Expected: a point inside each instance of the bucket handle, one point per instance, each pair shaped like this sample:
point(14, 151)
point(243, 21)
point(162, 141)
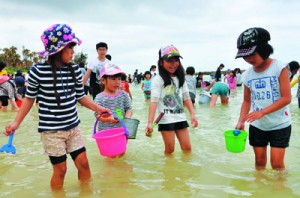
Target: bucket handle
point(119, 119)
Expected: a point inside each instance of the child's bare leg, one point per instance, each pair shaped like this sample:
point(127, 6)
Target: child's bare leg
point(4, 108)
point(224, 100)
point(169, 140)
point(260, 157)
point(184, 140)
point(277, 158)
point(213, 100)
point(58, 177)
point(82, 164)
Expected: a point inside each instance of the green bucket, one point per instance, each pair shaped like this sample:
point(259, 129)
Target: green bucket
point(235, 140)
point(132, 126)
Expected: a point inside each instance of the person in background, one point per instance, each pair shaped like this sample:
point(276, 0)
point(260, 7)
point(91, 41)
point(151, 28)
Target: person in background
point(191, 82)
point(58, 84)
point(238, 74)
point(125, 86)
point(108, 56)
point(2, 68)
point(20, 83)
point(146, 85)
point(153, 71)
point(226, 76)
point(218, 89)
point(7, 94)
point(169, 93)
point(267, 95)
point(298, 91)
point(199, 80)
point(218, 74)
point(140, 78)
point(94, 67)
point(231, 81)
point(293, 68)
point(83, 71)
point(135, 75)
point(129, 78)
point(212, 76)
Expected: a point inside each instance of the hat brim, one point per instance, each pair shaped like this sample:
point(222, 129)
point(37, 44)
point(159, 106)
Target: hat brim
point(112, 73)
point(245, 51)
point(45, 53)
point(171, 56)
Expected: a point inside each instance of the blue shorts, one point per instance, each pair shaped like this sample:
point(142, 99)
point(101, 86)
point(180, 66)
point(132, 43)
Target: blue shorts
point(278, 138)
point(173, 126)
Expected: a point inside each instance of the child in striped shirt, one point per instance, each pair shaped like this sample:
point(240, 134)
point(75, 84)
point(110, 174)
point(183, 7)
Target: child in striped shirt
point(58, 85)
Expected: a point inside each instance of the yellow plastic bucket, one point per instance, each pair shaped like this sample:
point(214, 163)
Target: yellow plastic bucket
point(235, 140)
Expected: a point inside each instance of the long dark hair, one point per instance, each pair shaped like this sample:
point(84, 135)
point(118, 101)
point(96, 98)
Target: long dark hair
point(55, 61)
point(179, 73)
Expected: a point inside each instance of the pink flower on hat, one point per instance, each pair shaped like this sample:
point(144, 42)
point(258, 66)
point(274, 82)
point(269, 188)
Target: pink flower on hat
point(68, 37)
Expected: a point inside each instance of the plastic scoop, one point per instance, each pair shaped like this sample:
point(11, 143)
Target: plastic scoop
point(9, 148)
point(149, 134)
point(119, 113)
point(236, 132)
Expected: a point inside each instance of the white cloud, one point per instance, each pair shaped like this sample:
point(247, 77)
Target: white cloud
point(204, 31)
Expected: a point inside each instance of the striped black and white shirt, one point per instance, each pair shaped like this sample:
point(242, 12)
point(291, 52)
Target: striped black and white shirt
point(40, 85)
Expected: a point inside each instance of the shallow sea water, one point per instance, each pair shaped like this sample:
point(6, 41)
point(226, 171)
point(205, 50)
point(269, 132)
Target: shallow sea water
point(144, 171)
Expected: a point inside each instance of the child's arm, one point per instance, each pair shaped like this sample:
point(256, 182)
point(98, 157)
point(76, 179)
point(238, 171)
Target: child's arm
point(14, 105)
point(25, 108)
point(225, 78)
point(128, 113)
point(245, 108)
point(211, 84)
point(188, 103)
point(107, 118)
point(129, 92)
point(152, 110)
point(88, 103)
point(142, 86)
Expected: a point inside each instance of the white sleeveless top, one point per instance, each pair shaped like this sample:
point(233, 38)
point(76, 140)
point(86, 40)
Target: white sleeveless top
point(265, 90)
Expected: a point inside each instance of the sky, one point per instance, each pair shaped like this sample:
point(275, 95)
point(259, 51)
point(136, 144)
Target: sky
point(205, 32)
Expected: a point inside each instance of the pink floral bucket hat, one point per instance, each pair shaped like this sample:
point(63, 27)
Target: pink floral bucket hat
point(56, 37)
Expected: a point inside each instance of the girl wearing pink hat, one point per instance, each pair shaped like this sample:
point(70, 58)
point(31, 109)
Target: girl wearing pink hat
point(169, 92)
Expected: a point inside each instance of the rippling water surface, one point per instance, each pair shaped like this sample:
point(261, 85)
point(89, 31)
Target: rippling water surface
point(210, 171)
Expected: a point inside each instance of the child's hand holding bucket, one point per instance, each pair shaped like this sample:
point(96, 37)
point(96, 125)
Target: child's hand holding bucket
point(106, 117)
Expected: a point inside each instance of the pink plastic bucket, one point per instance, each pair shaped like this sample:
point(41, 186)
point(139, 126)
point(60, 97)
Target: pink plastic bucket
point(111, 142)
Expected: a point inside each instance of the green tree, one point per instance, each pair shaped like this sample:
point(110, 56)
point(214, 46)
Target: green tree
point(80, 57)
point(11, 57)
point(27, 57)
